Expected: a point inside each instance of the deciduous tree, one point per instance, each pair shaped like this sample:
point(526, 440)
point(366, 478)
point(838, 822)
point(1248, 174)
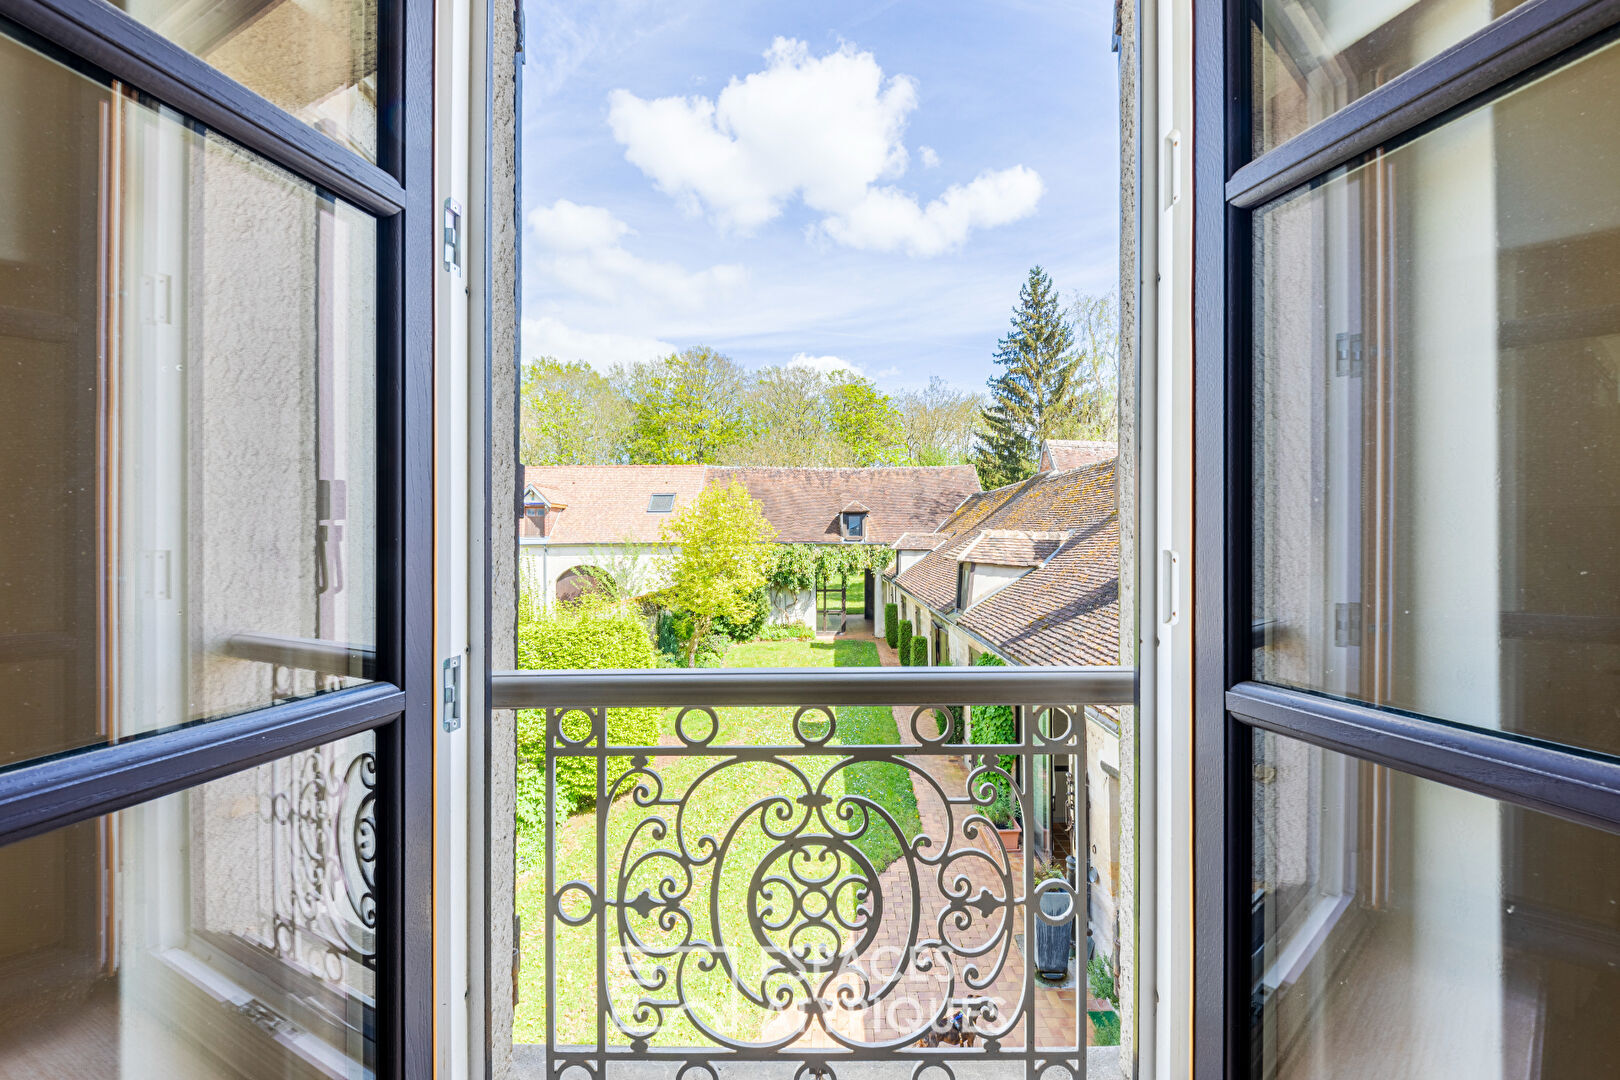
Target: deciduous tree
point(570, 415)
point(686, 408)
point(723, 555)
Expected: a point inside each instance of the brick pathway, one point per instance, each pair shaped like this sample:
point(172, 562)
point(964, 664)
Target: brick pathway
point(983, 871)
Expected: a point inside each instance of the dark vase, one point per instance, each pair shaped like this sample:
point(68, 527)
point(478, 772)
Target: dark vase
point(1052, 940)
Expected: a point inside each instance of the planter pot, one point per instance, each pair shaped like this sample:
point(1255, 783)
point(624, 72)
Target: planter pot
point(1052, 941)
point(1010, 836)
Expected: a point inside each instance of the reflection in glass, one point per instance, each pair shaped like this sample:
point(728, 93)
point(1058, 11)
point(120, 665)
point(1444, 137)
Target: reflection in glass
point(317, 59)
point(1403, 928)
point(1437, 415)
point(226, 931)
point(1314, 57)
point(188, 366)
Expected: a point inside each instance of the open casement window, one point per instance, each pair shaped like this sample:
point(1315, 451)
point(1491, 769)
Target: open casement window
point(214, 637)
point(1408, 438)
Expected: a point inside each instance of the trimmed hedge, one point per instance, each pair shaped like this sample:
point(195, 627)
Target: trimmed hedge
point(919, 652)
point(591, 633)
point(991, 725)
point(891, 624)
point(903, 646)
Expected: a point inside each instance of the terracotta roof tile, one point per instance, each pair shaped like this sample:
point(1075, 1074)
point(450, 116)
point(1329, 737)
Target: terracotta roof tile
point(1010, 547)
point(1063, 612)
point(1075, 453)
point(608, 503)
point(804, 504)
point(920, 541)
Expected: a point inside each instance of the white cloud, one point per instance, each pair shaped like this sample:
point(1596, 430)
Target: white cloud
point(928, 156)
point(582, 252)
point(889, 219)
point(824, 364)
point(828, 130)
point(547, 336)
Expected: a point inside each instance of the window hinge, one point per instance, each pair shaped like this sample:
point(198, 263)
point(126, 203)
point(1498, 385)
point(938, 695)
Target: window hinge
point(1346, 625)
point(452, 694)
point(452, 236)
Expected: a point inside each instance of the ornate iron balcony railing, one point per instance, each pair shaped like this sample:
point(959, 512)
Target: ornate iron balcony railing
point(746, 889)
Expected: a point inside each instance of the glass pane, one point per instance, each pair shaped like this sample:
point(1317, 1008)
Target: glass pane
point(226, 931)
point(1437, 414)
point(1314, 57)
point(1405, 928)
point(188, 367)
point(317, 59)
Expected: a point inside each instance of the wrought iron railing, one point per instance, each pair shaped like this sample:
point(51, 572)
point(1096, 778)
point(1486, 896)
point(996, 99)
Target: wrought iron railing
point(802, 913)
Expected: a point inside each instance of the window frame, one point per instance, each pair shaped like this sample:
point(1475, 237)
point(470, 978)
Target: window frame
point(39, 796)
point(1228, 184)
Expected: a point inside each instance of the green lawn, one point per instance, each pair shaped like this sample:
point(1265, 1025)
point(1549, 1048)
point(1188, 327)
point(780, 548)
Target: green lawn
point(715, 801)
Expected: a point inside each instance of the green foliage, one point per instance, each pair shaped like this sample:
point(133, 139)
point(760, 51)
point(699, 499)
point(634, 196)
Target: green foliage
point(992, 725)
point(686, 408)
point(1037, 390)
point(795, 568)
point(673, 636)
point(904, 645)
point(786, 632)
point(1100, 974)
point(865, 422)
point(937, 423)
point(1107, 1027)
point(722, 558)
point(570, 415)
point(746, 629)
point(891, 624)
point(591, 633)
point(919, 652)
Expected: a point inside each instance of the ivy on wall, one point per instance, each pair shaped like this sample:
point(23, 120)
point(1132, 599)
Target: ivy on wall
point(799, 566)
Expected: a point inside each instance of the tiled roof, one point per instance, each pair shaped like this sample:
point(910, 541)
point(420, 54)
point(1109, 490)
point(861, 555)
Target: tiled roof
point(918, 541)
point(804, 504)
point(1010, 547)
point(608, 503)
point(1059, 454)
point(1063, 612)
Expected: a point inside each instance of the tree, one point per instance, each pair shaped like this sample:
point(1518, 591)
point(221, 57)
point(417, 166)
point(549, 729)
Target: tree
point(1035, 392)
point(865, 422)
point(685, 408)
point(937, 423)
point(1096, 330)
point(723, 554)
point(787, 420)
point(570, 415)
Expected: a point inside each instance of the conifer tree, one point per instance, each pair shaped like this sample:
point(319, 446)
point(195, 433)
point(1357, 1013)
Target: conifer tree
point(1034, 395)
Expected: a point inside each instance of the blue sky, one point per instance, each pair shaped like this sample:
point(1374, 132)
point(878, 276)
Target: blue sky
point(839, 184)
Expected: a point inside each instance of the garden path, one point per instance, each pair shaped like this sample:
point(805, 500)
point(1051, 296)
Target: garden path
point(920, 991)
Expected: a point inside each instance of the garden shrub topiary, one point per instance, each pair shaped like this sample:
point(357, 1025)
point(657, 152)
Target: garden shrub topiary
point(903, 646)
point(891, 624)
point(996, 725)
point(593, 632)
point(919, 652)
point(746, 629)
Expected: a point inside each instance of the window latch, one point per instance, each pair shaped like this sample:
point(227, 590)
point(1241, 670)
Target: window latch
point(452, 236)
point(451, 715)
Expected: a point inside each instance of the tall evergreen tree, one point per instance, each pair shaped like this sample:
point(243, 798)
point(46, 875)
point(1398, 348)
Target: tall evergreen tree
point(1035, 393)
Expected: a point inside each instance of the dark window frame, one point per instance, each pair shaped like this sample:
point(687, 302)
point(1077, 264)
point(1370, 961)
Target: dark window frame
point(41, 795)
point(1227, 705)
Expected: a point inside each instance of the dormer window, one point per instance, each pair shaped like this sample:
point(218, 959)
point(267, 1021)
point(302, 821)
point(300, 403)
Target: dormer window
point(855, 526)
point(661, 504)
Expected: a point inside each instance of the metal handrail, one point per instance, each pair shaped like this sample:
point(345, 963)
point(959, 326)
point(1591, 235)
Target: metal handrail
point(1089, 685)
point(307, 654)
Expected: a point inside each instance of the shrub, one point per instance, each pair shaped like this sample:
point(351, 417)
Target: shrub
point(794, 631)
point(891, 624)
point(904, 644)
point(991, 725)
point(591, 633)
point(748, 629)
point(1101, 977)
point(919, 652)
